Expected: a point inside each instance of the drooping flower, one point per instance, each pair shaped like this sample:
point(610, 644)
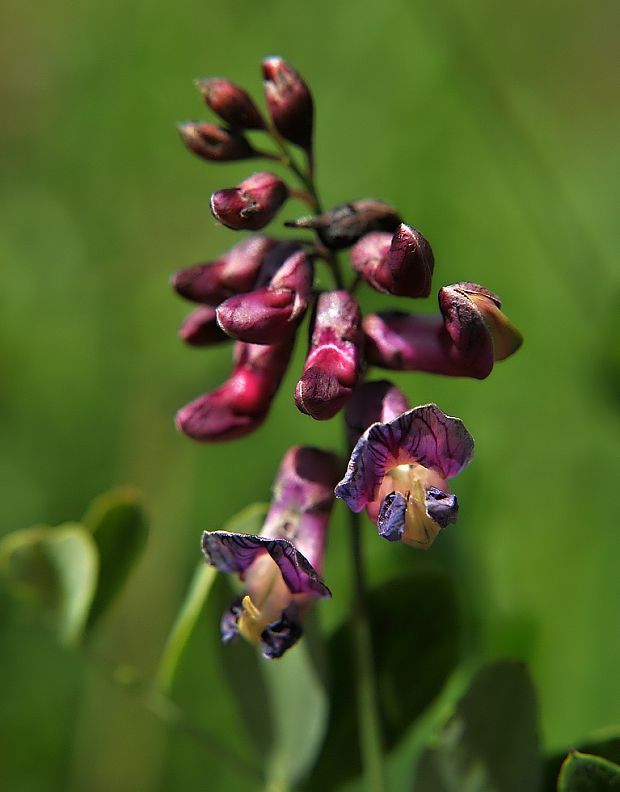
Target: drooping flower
point(398, 471)
point(464, 340)
point(280, 567)
point(271, 312)
point(241, 404)
point(334, 358)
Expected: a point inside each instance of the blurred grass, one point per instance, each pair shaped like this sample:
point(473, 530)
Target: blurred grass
point(494, 128)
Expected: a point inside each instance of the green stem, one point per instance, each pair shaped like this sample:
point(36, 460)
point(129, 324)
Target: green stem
point(367, 700)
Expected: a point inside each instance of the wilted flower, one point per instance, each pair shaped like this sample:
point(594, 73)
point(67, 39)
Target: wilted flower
point(231, 103)
point(400, 264)
point(464, 340)
point(234, 272)
point(265, 315)
point(343, 225)
point(241, 404)
point(334, 358)
point(398, 471)
point(252, 204)
point(281, 566)
point(289, 101)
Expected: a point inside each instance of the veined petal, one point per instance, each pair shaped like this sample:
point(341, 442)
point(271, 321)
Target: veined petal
point(235, 552)
point(424, 436)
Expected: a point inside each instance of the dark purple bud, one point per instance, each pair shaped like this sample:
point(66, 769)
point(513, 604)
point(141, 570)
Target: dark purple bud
point(215, 143)
point(371, 402)
point(391, 517)
point(289, 101)
point(441, 507)
point(401, 264)
point(241, 404)
point(200, 328)
point(343, 225)
point(252, 204)
point(279, 636)
point(236, 271)
point(334, 358)
point(231, 103)
point(265, 315)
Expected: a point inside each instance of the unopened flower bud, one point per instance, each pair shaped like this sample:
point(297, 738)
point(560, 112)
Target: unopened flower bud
point(231, 103)
point(334, 358)
point(234, 272)
point(289, 101)
point(215, 143)
point(241, 404)
point(379, 400)
point(200, 328)
point(343, 225)
point(401, 264)
point(463, 340)
point(268, 314)
point(252, 204)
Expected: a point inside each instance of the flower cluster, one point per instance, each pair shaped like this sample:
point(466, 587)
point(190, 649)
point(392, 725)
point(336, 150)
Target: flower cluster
point(257, 294)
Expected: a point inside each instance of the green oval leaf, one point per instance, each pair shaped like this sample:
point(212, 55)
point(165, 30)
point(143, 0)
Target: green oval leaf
point(119, 527)
point(491, 742)
point(56, 568)
point(587, 773)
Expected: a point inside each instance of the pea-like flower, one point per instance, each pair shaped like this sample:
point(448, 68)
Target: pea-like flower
point(200, 328)
point(465, 339)
point(250, 205)
point(398, 471)
point(231, 103)
point(280, 567)
point(215, 143)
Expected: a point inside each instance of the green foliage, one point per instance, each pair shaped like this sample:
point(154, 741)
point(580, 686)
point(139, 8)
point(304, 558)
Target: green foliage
point(491, 742)
point(56, 568)
point(415, 636)
point(586, 773)
point(605, 745)
point(119, 527)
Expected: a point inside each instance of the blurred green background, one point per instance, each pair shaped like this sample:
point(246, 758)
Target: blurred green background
point(494, 128)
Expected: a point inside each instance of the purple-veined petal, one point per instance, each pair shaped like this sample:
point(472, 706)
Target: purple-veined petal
point(235, 552)
point(423, 436)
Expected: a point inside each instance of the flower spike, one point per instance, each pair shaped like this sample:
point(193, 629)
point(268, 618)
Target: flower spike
point(252, 204)
point(334, 359)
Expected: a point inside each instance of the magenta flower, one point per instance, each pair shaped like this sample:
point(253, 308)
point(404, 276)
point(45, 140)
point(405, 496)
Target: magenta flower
point(464, 340)
point(280, 567)
point(241, 404)
point(235, 271)
point(265, 315)
point(401, 263)
point(334, 358)
point(200, 328)
point(252, 204)
point(398, 471)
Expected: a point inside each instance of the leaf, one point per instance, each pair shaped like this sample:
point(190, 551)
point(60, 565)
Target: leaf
point(605, 744)
point(299, 707)
point(587, 773)
point(119, 527)
point(248, 520)
point(415, 634)
point(491, 742)
point(57, 569)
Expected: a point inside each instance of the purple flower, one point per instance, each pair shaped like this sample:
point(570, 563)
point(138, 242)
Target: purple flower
point(252, 204)
point(334, 358)
point(280, 567)
point(241, 404)
point(231, 103)
point(398, 471)
point(214, 143)
point(267, 314)
point(234, 272)
point(464, 340)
